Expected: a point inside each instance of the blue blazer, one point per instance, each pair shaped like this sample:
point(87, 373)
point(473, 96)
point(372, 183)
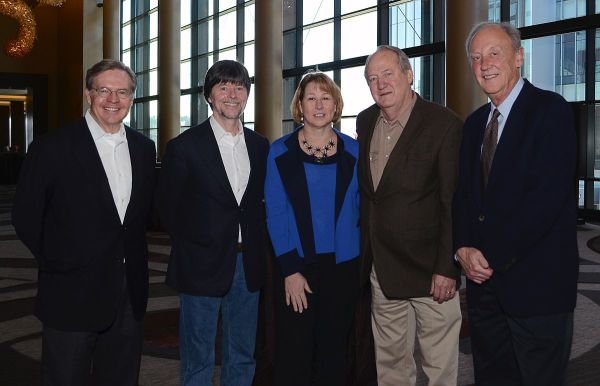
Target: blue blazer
point(289, 218)
point(524, 222)
point(199, 210)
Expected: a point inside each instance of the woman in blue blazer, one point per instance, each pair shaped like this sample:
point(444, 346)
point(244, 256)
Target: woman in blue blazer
point(311, 195)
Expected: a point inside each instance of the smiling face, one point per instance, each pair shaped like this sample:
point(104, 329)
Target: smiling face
point(495, 63)
point(110, 111)
point(390, 86)
point(228, 101)
point(317, 106)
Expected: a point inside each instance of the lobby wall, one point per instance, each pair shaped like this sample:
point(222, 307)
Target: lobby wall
point(68, 38)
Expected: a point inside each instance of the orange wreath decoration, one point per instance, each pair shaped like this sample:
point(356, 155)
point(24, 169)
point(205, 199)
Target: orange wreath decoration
point(23, 14)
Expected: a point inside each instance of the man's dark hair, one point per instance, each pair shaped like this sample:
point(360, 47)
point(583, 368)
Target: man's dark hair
point(105, 65)
point(225, 71)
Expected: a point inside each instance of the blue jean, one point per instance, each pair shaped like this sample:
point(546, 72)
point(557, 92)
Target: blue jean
point(198, 328)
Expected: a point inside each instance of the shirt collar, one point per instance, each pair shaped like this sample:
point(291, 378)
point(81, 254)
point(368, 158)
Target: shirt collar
point(405, 115)
point(220, 132)
point(507, 104)
point(97, 131)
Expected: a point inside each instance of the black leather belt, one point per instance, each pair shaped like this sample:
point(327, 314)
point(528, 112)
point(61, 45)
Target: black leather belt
point(239, 247)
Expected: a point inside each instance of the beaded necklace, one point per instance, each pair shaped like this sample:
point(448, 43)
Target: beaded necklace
point(320, 153)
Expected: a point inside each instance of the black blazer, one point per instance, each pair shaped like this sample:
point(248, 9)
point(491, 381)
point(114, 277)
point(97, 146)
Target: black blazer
point(64, 212)
point(524, 223)
point(199, 211)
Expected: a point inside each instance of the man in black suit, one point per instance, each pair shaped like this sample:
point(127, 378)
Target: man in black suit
point(82, 204)
point(515, 219)
point(211, 203)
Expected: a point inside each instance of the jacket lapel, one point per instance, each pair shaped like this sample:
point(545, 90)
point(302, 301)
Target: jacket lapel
point(293, 177)
point(365, 148)
point(343, 175)
point(514, 128)
point(86, 152)
point(137, 173)
point(399, 153)
point(209, 151)
point(253, 156)
point(479, 122)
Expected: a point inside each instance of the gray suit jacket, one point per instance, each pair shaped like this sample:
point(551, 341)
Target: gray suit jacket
point(406, 224)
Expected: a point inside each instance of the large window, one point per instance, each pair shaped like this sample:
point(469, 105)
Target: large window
point(337, 36)
point(334, 36)
point(565, 74)
point(139, 42)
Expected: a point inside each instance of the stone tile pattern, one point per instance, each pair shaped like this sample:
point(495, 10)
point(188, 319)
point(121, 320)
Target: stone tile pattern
point(20, 331)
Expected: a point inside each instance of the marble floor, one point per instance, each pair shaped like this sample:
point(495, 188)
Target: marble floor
point(20, 331)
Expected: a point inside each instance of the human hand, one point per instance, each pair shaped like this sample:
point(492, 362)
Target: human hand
point(474, 264)
point(295, 287)
point(442, 288)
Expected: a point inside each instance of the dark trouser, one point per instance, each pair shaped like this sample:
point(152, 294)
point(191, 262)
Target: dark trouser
point(523, 351)
point(109, 357)
point(311, 347)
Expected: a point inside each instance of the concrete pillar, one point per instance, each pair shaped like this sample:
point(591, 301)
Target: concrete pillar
point(463, 95)
point(168, 73)
point(268, 68)
point(111, 22)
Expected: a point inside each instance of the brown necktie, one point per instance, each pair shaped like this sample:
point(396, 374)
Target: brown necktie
point(490, 139)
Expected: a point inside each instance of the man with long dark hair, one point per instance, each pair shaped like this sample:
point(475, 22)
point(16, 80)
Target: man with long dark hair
point(211, 204)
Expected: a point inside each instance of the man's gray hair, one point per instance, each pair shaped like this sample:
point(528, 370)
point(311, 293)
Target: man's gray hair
point(403, 60)
point(513, 33)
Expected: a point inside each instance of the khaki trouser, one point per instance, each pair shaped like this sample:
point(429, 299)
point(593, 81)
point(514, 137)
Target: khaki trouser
point(397, 322)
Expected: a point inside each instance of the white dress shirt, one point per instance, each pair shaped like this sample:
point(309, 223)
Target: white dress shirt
point(236, 161)
point(114, 154)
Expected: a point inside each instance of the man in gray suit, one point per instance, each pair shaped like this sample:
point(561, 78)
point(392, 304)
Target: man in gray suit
point(408, 169)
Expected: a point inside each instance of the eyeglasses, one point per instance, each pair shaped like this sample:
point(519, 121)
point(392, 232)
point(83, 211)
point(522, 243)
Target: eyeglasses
point(105, 92)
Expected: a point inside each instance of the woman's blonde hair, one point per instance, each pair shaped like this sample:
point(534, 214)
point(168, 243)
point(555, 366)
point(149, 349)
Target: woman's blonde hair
point(325, 83)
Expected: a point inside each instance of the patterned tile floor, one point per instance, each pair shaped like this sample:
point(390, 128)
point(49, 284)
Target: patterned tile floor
point(20, 338)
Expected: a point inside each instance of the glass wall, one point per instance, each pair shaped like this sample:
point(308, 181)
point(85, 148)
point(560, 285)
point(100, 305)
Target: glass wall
point(565, 74)
point(337, 36)
point(333, 36)
point(531, 12)
point(139, 42)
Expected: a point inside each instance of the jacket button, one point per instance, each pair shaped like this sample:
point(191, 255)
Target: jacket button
point(481, 217)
